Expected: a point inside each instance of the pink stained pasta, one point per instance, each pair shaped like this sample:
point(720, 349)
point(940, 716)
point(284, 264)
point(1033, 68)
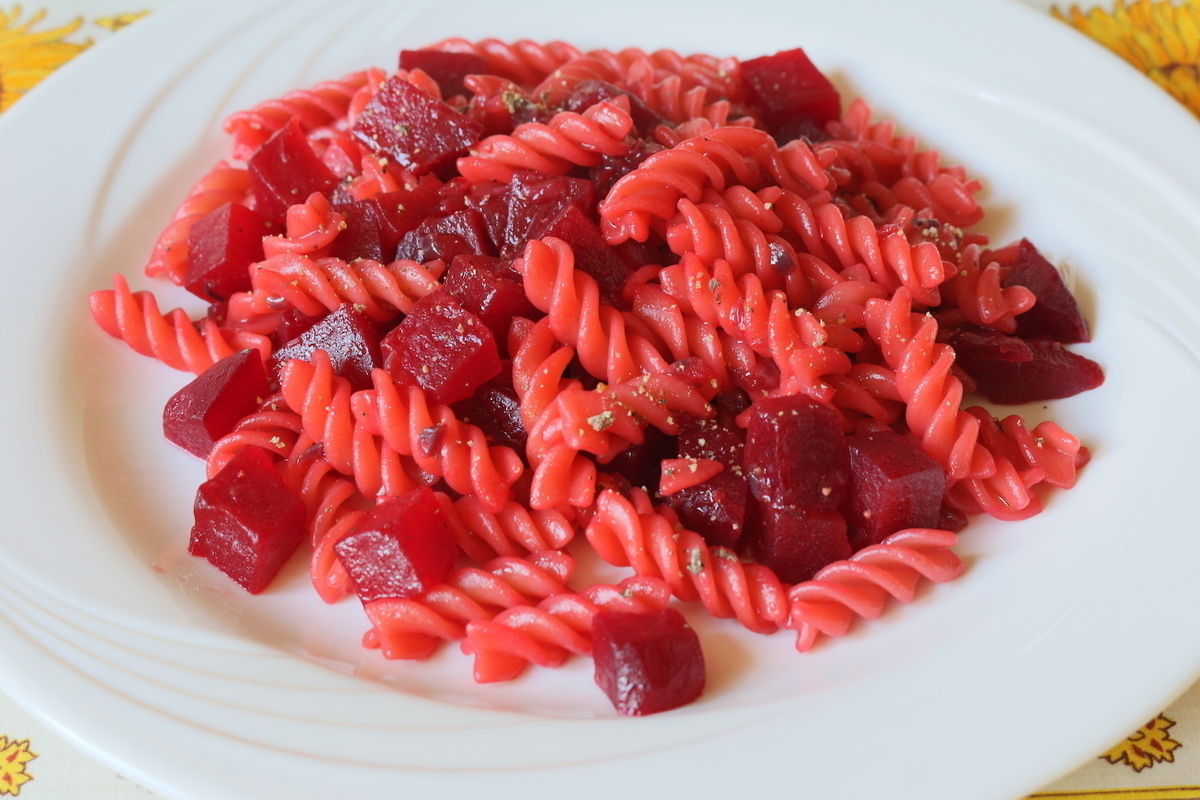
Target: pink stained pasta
point(546, 290)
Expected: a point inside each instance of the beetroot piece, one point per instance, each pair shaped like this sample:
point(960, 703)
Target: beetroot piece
point(292, 324)
point(592, 254)
point(647, 663)
point(790, 92)
point(796, 454)
point(588, 93)
point(403, 547)
point(535, 200)
point(417, 131)
point(612, 168)
point(893, 485)
point(350, 339)
point(215, 401)
point(402, 210)
point(221, 247)
point(796, 543)
point(496, 410)
point(461, 233)
point(1056, 315)
point(490, 289)
point(247, 521)
point(641, 464)
point(448, 69)
point(443, 348)
point(363, 235)
point(285, 171)
point(715, 509)
point(1052, 372)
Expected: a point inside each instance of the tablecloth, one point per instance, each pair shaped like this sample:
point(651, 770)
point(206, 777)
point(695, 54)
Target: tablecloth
point(1159, 761)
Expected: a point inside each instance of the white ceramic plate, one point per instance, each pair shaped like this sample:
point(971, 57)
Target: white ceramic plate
point(1040, 657)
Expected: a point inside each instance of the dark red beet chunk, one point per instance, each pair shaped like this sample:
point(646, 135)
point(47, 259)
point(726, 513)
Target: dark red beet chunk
point(417, 131)
point(221, 247)
point(247, 521)
point(350, 339)
point(789, 90)
point(796, 454)
point(592, 254)
point(496, 410)
point(588, 93)
point(401, 548)
point(285, 171)
point(490, 289)
point(893, 485)
point(647, 663)
point(1052, 372)
point(612, 168)
point(208, 407)
point(795, 543)
point(641, 464)
point(1056, 315)
point(715, 509)
point(443, 348)
point(536, 200)
point(293, 323)
point(363, 235)
point(461, 233)
point(406, 208)
point(448, 69)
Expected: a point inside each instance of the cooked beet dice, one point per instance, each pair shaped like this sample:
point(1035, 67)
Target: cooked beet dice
point(292, 324)
point(647, 663)
point(363, 235)
point(221, 247)
point(350, 339)
point(1052, 372)
point(592, 92)
point(447, 69)
point(247, 521)
point(417, 131)
point(403, 547)
point(612, 168)
point(796, 543)
point(535, 200)
point(496, 410)
point(490, 289)
point(1056, 315)
point(641, 463)
point(893, 485)
point(715, 509)
point(285, 171)
point(443, 348)
point(789, 90)
point(461, 233)
point(208, 407)
point(990, 345)
point(592, 254)
point(406, 208)
point(796, 455)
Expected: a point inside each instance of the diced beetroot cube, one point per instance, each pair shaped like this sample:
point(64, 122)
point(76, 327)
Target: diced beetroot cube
point(417, 131)
point(641, 464)
point(247, 521)
point(893, 485)
point(443, 348)
point(285, 171)
point(350, 339)
point(363, 235)
point(788, 90)
point(404, 209)
point(403, 547)
point(221, 247)
point(990, 345)
point(535, 200)
point(592, 254)
point(491, 200)
point(1051, 372)
point(715, 509)
point(951, 518)
point(796, 543)
point(496, 410)
point(490, 289)
point(647, 663)
point(461, 233)
point(292, 324)
point(208, 407)
point(612, 168)
point(1056, 315)
point(448, 69)
point(589, 93)
point(796, 454)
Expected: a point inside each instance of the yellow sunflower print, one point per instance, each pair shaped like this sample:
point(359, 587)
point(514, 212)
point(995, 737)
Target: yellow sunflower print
point(27, 56)
point(1161, 38)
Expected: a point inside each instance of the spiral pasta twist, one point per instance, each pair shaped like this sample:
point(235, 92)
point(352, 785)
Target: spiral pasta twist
point(512, 531)
point(222, 184)
point(310, 230)
point(523, 61)
point(861, 585)
point(653, 543)
point(977, 292)
point(412, 628)
point(171, 338)
point(561, 624)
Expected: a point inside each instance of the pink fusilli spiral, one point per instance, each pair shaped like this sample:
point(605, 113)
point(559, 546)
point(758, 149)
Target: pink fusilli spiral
point(976, 289)
point(222, 184)
point(512, 531)
point(523, 61)
point(412, 628)
point(634, 534)
point(861, 585)
point(311, 228)
point(171, 338)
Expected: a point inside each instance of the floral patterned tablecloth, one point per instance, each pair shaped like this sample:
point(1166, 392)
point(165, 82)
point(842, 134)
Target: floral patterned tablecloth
point(1159, 761)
